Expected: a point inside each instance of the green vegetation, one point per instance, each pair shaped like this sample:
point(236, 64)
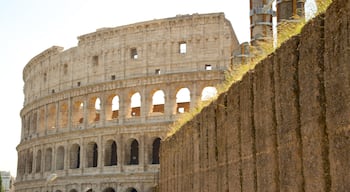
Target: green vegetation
point(285, 32)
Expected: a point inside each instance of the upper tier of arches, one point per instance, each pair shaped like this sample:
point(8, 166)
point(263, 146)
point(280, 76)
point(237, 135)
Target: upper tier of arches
point(183, 44)
point(110, 108)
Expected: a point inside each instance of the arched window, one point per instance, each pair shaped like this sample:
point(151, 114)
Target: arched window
point(48, 159)
point(155, 151)
point(78, 112)
point(51, 117)
point(131, 190)
point(38, 162)
point(92, 154)
point(30, 162)
point(34, 122)
point(208, 93)
point(111, 157)
point(134, 153)
point(115, 107)
point(63, 115)
point(136, 104)
point(109, 189)
point(74, 162)
point(94, 109)
point(158, 102)
point(183, 99)
point(60, 158)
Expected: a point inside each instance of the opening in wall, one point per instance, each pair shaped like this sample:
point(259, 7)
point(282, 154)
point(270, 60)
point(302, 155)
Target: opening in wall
point(157, 71)
point(208, 67)
point(133, 53)
point(95, 60)
point(182, 47)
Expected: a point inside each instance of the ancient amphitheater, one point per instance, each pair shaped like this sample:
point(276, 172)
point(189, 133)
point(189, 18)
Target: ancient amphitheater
point(94, 114)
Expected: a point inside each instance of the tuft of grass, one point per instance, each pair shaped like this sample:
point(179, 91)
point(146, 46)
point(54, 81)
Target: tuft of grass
point(286, 30)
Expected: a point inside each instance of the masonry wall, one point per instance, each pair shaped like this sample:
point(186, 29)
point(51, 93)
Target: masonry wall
point(283, 127)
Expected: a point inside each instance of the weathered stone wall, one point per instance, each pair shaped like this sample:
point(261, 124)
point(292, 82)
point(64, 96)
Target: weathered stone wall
point(283, 127)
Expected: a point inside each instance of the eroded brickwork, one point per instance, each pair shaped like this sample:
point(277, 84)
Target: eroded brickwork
point(283, 127)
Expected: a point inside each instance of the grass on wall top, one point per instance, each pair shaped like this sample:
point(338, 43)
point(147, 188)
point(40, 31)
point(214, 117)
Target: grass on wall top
point(285, 31)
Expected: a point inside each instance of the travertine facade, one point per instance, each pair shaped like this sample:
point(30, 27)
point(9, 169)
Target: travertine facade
point(94, 115)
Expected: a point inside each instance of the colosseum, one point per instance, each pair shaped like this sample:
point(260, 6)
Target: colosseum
point(94, 115)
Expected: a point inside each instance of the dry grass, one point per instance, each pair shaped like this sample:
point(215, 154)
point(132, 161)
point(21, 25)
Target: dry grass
point(286, 31)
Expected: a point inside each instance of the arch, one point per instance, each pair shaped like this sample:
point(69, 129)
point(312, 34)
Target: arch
point(155, 151)
point(63, 115)
point(34, 121)
point(60, 158)
point(131, 189)
point(158, 102)
point(29, 163)
point(48, 159)
point(92, 154)
point(74, 161)
point(38, 161)
point(42, 120)
point(111, 157)
point(109, 189)
point(183, 99)
point(78, 112)
point(132, 152)
point(208, 93)
point(73, 190)
point(21, 163)
point(94, 109)
point(115, 107)
point(58, 190)
point(51, 116)
point(135, 104)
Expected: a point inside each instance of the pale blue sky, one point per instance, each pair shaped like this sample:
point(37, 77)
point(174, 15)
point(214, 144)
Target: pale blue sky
point(28, 27)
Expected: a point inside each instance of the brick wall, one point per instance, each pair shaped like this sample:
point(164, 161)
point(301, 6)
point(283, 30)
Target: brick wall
point(284, 127)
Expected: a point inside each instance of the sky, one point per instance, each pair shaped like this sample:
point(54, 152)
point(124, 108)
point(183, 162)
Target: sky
point(28, 27)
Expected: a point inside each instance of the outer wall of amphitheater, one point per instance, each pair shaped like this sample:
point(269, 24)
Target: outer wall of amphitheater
point(94, 115)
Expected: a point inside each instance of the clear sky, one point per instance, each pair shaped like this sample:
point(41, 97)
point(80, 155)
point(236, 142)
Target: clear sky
point(28, 27)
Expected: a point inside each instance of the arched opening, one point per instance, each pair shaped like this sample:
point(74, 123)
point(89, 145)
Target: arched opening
point(74, 161)
point(109, 189)
point(78, 112)
point(34, 122)
point(135, 104)
point(30, 162)
point(94, 109)
point(51, 117)
point(63, 115)
point(158, 102)
point(131, 190)
point(92, 154)
point(48, 159)
point(42, 120)
point(133, 153)
point(208, 93)
point(60, 158)
point(183, 99)
point(38, 162)
point(111, 157)
point(115, 107)
point(155, 151)
point(73, 190)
